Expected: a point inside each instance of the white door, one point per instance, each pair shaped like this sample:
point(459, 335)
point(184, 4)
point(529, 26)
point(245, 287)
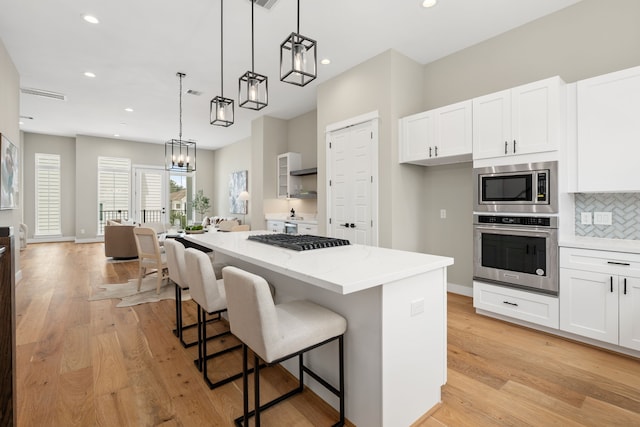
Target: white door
point(629, 291)
point(351, 206)
point(150, 195)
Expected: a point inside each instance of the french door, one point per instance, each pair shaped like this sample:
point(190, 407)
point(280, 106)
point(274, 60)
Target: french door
point(150, 195)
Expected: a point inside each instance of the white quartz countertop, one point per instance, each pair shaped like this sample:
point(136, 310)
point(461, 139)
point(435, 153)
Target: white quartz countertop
point(343, 269)
point(616, 245)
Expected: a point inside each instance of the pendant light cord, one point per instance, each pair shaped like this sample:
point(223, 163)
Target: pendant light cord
point(298, 30)
point(181, 75)
point(252, 52)
point(221, 50)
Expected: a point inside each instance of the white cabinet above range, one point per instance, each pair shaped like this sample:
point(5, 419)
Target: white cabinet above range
point(523, 120)
point(438, 136)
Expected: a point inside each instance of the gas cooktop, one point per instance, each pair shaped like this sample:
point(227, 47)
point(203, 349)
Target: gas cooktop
point(299, 242)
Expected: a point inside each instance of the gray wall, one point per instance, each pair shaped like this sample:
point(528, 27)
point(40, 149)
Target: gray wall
point(232, 158)
point(9, 115)
point(590, 38)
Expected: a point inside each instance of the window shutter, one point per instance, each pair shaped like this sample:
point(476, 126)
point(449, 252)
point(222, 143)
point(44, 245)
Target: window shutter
point(48, 196)
point(113, 189)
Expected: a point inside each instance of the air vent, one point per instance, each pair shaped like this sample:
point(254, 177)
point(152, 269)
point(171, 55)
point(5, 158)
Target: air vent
point(43, 93)
point(194, 92)
point(267, 4)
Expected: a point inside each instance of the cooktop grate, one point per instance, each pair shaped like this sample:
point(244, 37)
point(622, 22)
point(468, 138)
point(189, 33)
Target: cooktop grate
point(299, 242)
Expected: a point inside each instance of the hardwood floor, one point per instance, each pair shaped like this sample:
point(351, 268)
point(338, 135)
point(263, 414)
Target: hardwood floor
point(83, 363)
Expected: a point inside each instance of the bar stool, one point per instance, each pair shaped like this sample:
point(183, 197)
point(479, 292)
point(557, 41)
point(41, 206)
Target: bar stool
point(209, 294)
point(178, 275)
point(277, 333)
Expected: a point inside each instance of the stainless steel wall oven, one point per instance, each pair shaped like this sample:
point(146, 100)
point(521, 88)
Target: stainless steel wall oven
point(517, 251)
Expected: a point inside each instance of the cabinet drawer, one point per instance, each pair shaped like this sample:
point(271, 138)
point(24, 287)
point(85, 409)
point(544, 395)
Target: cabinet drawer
point(619, 263)
point(527, 306)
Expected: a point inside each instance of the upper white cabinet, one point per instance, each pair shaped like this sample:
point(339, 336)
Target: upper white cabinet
point(524, 120)
point(608, 114)
point(438, 136)
point(288, 185)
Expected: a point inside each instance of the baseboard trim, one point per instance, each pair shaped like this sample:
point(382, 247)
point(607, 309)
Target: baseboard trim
point(455, 288)
point(93, 240)
point(50, 239)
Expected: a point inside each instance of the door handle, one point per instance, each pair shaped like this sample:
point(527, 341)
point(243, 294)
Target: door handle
point(625, 285)
point(429, 152)
point(514, 146)
point(506, 144)
point(352, 225)
point(346, 224)
point(611, 282)
point(436, 151)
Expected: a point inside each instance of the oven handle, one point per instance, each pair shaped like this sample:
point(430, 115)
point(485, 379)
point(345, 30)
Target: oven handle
point(513, 230)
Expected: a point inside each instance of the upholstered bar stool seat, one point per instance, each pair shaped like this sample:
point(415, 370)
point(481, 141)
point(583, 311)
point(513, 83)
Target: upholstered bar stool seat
point(209, 293)
point(178, 275)
point(276, 333)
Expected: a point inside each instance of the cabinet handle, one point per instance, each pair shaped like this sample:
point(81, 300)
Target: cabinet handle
point(436, 151)
point(510, 303)
point(429, 152)
point(611, 283)
point(625, 285)
point(506, 144)
point(514, 146)
point(352, 225)
point(346, 224)
point(618, 263)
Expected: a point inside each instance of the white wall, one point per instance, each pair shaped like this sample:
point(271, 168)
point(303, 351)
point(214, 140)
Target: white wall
point(9, 116)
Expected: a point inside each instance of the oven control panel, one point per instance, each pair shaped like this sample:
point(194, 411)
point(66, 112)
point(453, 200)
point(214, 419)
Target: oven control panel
point(535, 221)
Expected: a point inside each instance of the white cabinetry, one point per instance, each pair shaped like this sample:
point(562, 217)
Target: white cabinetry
point(522, 120)
point(528, 306)
point(600, 295)
point(288, 185)
point(308, 229)
point(275, 226)
point(438, 136)
point(609, 132)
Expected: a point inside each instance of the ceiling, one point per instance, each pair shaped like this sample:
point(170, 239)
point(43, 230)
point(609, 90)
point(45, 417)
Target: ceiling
point(139, 45)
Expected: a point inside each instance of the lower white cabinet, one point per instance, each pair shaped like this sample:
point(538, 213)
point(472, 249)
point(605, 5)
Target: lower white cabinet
point(528, 306)
point(600, 295)
point(275, 226)
point(308, 229)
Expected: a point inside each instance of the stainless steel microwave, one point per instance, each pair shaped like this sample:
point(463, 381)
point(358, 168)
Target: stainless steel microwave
point(527, 187)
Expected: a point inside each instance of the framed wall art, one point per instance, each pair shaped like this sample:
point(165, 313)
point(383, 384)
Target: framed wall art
point(9, 173)
point(237, 184)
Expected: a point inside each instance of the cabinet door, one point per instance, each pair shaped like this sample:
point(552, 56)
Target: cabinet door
point(535, 116)
point(629, 290)
point(608, 132)
point(288, 185)
point(308, 229)
point(453, 126)
point(492, 125)
point(275, 226)
point(416, 137)
point(588, 307)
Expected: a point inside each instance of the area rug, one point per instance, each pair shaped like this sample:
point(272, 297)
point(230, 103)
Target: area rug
point(129, 295)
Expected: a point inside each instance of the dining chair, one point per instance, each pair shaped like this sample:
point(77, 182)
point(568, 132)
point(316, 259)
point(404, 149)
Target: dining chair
point(178, 275)
point(150, 257)
point(278, 332)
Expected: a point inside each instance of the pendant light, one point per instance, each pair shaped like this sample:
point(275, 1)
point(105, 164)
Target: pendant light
point(180, 155)
point(221, 108)
point(252, 87)
point(298, 59)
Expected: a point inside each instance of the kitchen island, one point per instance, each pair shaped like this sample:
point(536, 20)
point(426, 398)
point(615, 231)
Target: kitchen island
point(395, 305)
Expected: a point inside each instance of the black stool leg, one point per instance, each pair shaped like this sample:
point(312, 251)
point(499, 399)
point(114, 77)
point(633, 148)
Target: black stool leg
point(256, 388)
point(245, 386)
point(200, 358)
point(178, 331)
point(341, 362)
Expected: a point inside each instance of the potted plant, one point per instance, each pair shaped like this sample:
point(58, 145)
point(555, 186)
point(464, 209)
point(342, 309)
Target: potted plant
point(201, 203)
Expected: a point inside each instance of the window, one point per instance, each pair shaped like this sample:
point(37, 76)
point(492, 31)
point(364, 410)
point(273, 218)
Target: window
point(48, 219)
point(113, 189)
point(181, 194)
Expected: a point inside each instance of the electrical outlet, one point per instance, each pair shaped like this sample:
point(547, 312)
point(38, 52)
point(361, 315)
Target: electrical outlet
point(585, 218)
point(443, 213)
point(602, 218)
point(417, 307)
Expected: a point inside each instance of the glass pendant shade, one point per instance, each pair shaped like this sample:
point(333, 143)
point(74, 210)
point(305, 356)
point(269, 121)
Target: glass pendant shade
point(180, 155)
point(298, 60)
point(221, 111)
point(252, 91)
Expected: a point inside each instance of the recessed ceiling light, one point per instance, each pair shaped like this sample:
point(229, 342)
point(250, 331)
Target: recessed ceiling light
point(90, 19)
point(429, 3)
point(117, 135)
point(128, 110)
point(89, 74)
point(20, 122)
point(325, 61)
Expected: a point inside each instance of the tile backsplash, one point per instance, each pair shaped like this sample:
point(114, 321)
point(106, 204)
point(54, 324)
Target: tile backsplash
point(625, 213)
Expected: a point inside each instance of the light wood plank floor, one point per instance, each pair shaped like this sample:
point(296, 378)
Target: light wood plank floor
point(86, 363)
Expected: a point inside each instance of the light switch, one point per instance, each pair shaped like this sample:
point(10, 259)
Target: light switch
point(585, 218)
point(443, 213)
point(602, 218)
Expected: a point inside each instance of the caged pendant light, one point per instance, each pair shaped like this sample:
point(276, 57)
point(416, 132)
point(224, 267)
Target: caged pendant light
point(180, 155)
point(221, 108)
point(298, 59)
point(252, 87)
